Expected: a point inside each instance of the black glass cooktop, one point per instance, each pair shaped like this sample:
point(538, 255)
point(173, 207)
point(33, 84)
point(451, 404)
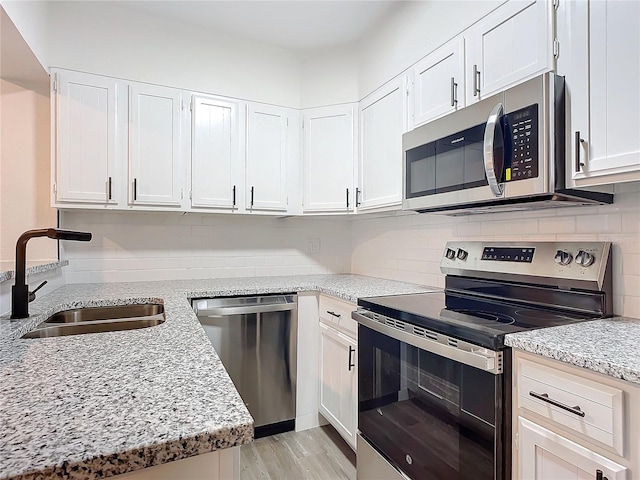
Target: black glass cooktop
point(476, 320)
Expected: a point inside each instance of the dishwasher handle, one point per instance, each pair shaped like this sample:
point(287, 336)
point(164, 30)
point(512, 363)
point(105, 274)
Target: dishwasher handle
point(244, 309)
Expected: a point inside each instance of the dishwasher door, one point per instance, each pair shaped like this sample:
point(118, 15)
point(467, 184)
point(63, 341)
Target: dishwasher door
point(256, 337)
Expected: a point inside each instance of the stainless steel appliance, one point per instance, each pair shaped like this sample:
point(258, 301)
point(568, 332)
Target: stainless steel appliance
point(433, 371)
point(256, 337)
point(506, 152)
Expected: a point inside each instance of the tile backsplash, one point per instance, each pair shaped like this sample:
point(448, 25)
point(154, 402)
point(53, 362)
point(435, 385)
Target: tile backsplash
point(143, 246)
point(408, 247)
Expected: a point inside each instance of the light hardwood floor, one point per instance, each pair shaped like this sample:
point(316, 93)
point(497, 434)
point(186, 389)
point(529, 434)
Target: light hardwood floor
point(315, 454)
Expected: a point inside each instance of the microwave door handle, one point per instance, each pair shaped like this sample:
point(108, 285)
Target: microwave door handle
point(488, 152)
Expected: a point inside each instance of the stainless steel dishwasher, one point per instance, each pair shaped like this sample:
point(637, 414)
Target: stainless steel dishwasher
point(256, 337)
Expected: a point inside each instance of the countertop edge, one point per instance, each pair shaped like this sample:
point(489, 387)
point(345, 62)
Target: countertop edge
point(45, 267)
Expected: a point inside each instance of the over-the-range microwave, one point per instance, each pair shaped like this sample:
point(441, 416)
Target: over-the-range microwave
point(504, 153)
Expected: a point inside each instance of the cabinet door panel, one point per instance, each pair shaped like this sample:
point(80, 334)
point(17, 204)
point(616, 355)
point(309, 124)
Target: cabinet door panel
point(214, 157)
point(511, 44)
point(155, 145)
point(603, 80)
point(266, 157)
point(383, 120)
point(545, 455)
point(85, 137)
point(328, 159)
point(434, 94)
point(338, 382)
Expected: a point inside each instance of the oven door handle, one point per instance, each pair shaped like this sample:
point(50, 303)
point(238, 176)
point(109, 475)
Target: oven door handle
point(473, 356)
point(490, 166)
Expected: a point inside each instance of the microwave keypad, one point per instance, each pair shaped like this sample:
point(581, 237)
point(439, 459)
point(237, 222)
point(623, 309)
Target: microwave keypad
point(524, 132)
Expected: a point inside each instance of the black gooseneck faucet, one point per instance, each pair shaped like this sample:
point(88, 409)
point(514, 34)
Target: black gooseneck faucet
point(20, 295)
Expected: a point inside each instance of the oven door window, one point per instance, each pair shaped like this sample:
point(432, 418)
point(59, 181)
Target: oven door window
point(430, 416)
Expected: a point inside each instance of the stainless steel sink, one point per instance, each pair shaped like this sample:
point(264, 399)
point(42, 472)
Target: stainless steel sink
point(99, 319)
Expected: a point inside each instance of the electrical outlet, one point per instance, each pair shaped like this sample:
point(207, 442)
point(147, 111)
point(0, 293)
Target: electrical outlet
point(312, 245)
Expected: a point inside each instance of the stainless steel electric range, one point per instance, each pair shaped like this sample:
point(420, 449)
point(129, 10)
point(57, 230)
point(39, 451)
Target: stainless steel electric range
point(434, 375)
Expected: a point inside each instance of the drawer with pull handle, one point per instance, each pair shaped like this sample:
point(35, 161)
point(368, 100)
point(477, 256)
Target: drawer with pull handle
point(337, 313)
point(590, 409)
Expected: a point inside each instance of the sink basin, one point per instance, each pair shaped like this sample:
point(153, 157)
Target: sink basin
point(99, 319)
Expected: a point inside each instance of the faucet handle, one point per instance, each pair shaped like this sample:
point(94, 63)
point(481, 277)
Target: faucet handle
point(32, 295)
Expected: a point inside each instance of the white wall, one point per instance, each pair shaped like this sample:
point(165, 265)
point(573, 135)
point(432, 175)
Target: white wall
point(409, 247)
point(143, 246)
point(108, 39)
point(329, 77)
point(31, 19)
point(410, 34)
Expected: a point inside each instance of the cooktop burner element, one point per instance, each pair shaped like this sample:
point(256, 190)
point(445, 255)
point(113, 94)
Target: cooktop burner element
point(491, 292)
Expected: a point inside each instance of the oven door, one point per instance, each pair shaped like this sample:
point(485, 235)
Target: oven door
point(430, 416)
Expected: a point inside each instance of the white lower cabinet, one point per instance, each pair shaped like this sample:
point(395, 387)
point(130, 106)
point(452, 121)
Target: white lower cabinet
point(573, 424)
point(545, 455)
point(339, 382)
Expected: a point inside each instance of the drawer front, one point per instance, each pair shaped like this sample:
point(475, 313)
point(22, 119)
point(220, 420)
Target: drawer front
point(337, 313)
point(588, 408)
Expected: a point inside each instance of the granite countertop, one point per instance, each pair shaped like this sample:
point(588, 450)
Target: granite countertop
point(7, 269)
point(90, 406)
point(608, 346)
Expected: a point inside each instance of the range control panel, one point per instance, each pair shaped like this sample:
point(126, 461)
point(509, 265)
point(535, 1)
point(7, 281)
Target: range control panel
point(550, 262)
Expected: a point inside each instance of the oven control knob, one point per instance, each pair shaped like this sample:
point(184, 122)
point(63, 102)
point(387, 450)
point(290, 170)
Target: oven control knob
point(563, 258)
point(450, 254)
point(585, 259)
point(462, 255)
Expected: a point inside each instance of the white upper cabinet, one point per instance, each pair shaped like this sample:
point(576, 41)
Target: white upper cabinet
point(329, 141)
point(156, 157)
point(383, 120)
point(603, 83)
point(439, 82)
point(216, 170)
point(511, 44)
point(267, 150)
point(84, 123)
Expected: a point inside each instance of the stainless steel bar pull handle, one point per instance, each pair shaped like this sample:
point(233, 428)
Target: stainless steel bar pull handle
point(109, 189)
point(347, 199)
point(578, 145)
point(334, 314)
point(358, 202)
point(454, 88)
point(493, 122)
point(234, 196)
point(545, 398)
point(476, 81)
point(252, 196)
point(135, 189)
point(351, 351)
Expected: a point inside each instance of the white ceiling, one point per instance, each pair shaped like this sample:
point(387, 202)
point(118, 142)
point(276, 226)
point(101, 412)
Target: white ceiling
point(299, 25)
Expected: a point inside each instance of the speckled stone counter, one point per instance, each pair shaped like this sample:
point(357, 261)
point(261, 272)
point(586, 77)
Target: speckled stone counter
point(6, 272)
point(607, 346)
point(90, 406)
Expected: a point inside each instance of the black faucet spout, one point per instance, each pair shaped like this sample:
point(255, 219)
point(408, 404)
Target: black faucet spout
point(20, 290)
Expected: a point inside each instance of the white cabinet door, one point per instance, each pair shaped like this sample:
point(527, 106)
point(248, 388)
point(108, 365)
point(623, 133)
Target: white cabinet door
point(545, 455)
point(383, 120)
point(216, 170)
point(155, 145)
point(85, 109)
point(603, 81)
point(339, 382)
point(439, 82)
point(329, 156)
point(267, 144)
point(511, 44)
